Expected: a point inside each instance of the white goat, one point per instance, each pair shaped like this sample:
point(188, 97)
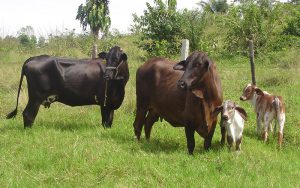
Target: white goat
point(232, 118)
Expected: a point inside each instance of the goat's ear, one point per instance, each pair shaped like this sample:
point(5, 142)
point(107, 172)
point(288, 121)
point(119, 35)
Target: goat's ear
point(259, 91)
point(242, 112)
point(124, 57)
point(207, 63)
point(102, 55)
point(217, 110)
point(180, 66)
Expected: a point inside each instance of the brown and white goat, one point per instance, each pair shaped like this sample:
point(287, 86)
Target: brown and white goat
point(232, 118)
point(267, 107)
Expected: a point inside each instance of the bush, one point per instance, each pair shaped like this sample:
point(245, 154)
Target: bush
point(160, 29)
point(262, 22)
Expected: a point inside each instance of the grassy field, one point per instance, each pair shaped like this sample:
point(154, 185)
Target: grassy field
point(67, 147)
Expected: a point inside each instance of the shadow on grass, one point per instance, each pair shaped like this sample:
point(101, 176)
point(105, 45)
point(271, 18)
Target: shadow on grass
point(159, 145)
point(67, 126)
point(156, 145)
point(51, 124)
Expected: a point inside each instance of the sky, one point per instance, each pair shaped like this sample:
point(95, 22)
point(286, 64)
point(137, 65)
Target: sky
point(49, 16)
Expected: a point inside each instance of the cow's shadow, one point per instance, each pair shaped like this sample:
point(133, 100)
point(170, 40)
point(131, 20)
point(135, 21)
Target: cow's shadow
point(155, 145)
point(160, 146)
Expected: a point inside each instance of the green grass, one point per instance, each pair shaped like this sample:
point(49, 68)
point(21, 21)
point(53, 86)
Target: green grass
point(67, 146)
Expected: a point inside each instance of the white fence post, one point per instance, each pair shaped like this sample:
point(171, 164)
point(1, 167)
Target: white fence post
point(184, 49)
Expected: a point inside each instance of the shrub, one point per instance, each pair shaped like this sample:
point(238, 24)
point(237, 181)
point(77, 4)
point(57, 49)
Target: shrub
point(160, 29)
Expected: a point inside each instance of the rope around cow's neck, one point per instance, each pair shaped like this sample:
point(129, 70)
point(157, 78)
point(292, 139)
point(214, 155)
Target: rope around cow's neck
point(105, 95)
point(115, 68)
point(117, 71)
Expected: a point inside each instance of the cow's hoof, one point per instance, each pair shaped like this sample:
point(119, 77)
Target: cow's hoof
point(27, 126)
point(106, 126)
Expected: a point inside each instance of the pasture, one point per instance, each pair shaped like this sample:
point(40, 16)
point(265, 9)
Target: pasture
point(68, 147)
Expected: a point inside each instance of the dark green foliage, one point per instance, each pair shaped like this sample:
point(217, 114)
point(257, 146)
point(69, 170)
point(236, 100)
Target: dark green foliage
point(263, 22)
point(194, 23)
point(95, 13)
point(160, 29)
point(214, 6)
point(219, 29)
point(293, 25)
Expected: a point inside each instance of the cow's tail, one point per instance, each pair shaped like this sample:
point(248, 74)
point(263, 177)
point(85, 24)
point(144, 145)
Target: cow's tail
point(277, 110)
point(15, 111)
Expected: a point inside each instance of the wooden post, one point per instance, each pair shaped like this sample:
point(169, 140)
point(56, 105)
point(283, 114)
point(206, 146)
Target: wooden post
point(251, 56)
point(184, 49)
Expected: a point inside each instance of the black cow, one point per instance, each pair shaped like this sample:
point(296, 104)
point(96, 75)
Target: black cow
point(75, 83)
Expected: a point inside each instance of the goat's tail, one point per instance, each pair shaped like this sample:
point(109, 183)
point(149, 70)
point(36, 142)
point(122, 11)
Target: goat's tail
point(13, 113)
point(278, 108)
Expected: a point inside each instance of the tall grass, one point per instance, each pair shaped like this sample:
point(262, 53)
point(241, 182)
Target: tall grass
point(67, 147)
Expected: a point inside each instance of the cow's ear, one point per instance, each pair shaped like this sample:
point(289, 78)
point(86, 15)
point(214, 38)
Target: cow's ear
point(180, 66)
point(124, 57)
point(217, 110)
point(242, 112)
point(198, 93)
point(259, 91)
point(102, 55)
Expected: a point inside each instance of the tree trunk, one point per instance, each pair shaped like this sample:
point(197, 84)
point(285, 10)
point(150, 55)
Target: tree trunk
point(95, 47)
point(94, 51)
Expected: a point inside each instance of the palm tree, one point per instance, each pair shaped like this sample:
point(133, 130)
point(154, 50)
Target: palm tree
point(214, 6)
point(94, 13)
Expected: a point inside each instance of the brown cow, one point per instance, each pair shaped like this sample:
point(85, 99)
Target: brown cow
point(184, 99)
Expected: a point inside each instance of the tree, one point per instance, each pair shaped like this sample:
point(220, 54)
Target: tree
point(160, 28)
point(94, 13)
point(41, 42)
point(26, 37)
point(214, 6)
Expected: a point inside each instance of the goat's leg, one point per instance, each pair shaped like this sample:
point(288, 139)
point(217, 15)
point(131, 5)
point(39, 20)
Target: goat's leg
point(258, 121)
point(238, 144)
point(281, 121)
point(229, 141)
point(267, 122)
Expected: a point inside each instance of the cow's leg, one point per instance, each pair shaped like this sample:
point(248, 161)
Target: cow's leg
point(150, 120)
point(208, 138)
point(107, 116)
point(139, 121)
point(30, 112)
point(189, 133)
point(223, 133)
point(110, 118)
